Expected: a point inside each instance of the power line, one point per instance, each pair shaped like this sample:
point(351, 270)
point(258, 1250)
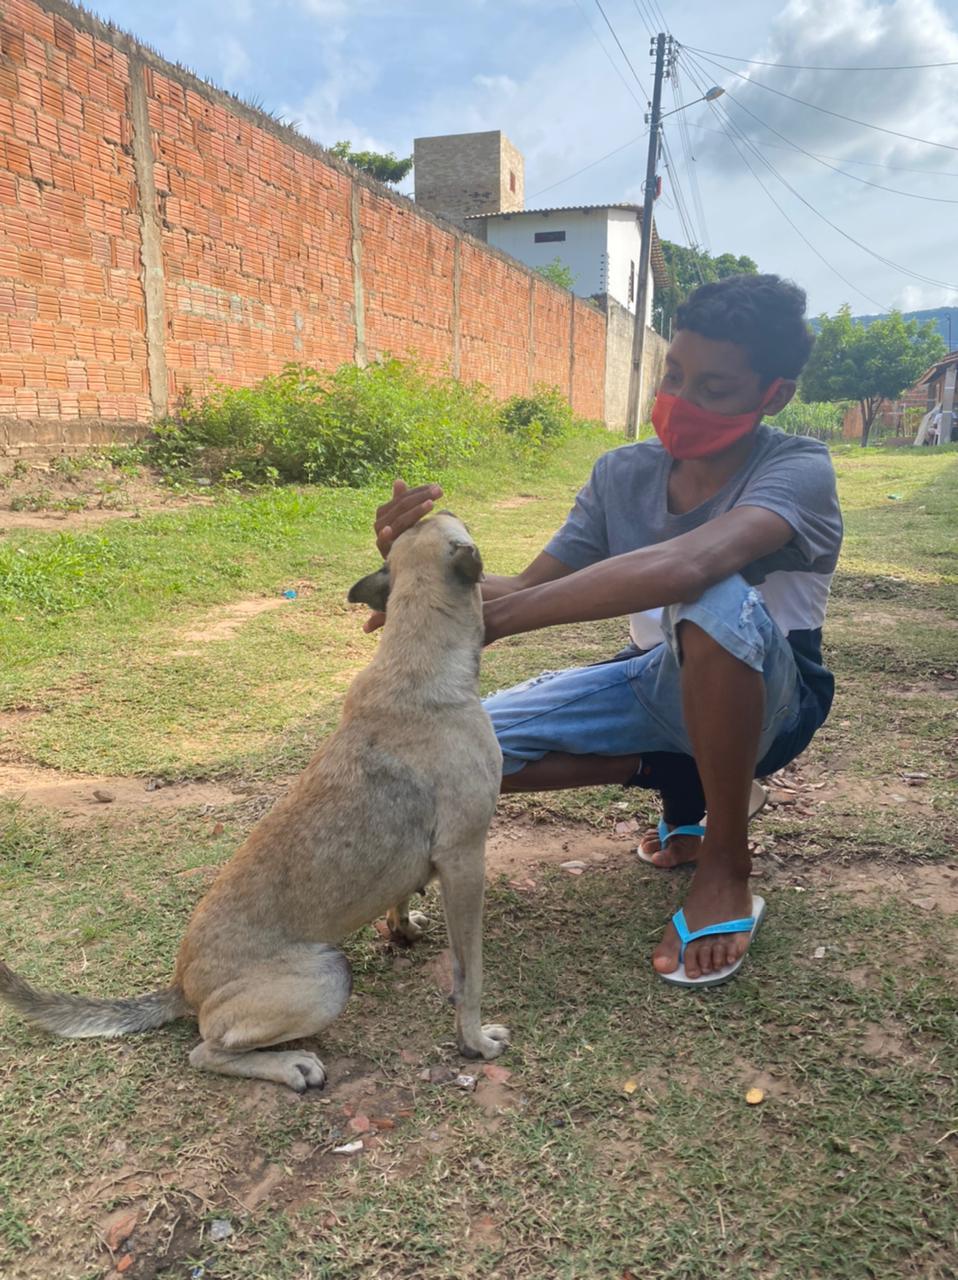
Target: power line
point(865, 124)
point(797, 66)
point(612, 62)
point(598, 5)
point(871, 164)
point(915, 275)
point(818, 254)
point(689, 157)
point(646, 15)
point(681, 207)
point(591, 165)
point(656, 10)
point(909, 195)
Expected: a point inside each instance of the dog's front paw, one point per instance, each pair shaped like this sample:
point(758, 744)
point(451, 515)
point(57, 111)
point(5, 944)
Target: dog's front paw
point(491, 1043)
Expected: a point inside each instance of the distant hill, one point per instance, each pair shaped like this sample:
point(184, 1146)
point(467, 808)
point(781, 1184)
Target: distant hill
point(938, 314)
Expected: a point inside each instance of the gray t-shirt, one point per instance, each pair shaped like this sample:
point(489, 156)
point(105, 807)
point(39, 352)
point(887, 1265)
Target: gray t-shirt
point(624, 506)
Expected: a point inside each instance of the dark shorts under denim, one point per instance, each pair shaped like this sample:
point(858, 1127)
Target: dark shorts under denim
point(633, 705)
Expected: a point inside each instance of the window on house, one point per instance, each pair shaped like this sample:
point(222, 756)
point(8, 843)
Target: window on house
point(631, 281)
point(547, 237)
point(512, 182)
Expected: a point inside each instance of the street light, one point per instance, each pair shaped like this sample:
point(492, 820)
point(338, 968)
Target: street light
point(645, 250)
point(710, 95)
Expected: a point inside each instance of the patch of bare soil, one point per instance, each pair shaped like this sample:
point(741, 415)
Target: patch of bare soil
point(81, 797)
point(142, 1222)
point(930, 888)
point(908, 615)
point(224, 623)
point(78, 493)
point(518, 500)
point(516, 845)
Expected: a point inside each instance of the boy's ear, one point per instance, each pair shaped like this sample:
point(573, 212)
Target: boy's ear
point(372, 590)
point(784, 392)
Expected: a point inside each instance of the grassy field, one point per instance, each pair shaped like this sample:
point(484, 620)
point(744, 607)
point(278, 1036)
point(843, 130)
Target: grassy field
point(614, 1140)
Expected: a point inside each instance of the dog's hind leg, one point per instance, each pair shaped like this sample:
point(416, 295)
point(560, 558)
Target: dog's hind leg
point(462, 878)
point(405, 924)
point(293, 994)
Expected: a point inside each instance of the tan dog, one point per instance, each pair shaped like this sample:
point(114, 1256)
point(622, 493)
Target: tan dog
point(404, 790)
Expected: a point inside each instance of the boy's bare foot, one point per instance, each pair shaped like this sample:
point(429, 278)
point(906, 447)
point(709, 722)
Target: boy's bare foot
point(677, 852)
point(714, 896)
point(681, 850)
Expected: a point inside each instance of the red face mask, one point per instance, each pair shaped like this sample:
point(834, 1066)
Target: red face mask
point(687, 431)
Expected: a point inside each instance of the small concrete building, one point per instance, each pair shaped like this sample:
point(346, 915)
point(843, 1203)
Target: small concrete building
point(459, 174)
point(477, 180)
point(599, 243)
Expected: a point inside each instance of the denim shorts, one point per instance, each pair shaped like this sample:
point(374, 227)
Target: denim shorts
point(634, 706)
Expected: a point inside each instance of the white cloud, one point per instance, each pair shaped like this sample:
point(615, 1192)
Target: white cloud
point(919, 297)
point(504, 85)
point(235, 63)
point(852, 33)
point(321, 112)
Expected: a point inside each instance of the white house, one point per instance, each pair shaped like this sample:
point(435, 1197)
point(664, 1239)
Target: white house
point(598, 243)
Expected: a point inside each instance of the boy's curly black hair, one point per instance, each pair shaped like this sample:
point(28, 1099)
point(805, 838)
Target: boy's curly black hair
point(763, 314)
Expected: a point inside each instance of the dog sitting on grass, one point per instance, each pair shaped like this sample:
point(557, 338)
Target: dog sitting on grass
point(403, 791)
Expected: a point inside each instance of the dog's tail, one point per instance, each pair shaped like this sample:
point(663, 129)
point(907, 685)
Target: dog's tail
point(82, 1017)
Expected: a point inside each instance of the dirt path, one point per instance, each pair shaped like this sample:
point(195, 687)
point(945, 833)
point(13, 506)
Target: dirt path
point(82, 797)
point(519, 845)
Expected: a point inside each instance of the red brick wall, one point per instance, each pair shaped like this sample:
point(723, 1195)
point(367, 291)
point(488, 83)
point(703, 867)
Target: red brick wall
point(588, 383)
point(407, 283)
point(552, 324)
point(72, 339)
point(256, 245)
point(257, 232)
point(494, 306)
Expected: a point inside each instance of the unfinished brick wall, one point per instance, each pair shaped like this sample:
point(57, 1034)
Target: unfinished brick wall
point(408, 272)
point(588, 350)
point(72, 323)
point(255, 245)
point(157, 235)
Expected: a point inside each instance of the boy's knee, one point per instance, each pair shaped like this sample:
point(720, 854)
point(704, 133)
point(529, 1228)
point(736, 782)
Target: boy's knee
point(695, 643)
point(729, 616)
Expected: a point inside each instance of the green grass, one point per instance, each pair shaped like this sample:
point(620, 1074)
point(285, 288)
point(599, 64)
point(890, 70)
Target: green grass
point(847, 1171)
point(92, 624)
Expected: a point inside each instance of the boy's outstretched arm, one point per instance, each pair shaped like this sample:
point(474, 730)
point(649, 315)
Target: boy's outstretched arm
point(408, 506)
point(670, 573)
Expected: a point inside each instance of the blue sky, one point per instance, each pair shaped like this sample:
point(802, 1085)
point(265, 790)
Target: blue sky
point(548, 73)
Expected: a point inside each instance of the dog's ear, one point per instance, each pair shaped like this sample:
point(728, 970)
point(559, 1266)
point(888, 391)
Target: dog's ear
point(467, 562)
point(372, 590)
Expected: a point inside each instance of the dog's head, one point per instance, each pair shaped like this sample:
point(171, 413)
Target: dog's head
point(440, 545)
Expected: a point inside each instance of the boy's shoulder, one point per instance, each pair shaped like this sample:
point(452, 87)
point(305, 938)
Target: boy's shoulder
point(778, 447)
point(640, 455)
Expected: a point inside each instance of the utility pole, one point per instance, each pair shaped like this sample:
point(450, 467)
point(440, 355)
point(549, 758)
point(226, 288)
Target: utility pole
point(645, 252)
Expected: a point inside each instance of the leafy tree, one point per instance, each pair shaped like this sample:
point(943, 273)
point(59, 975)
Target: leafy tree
point(558, 273)
point(689, 268)
point(384, 167)
point(869, 363)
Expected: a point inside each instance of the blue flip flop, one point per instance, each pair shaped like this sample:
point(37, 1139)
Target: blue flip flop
point(748, 924)
point(665, 835)
point(758, 797)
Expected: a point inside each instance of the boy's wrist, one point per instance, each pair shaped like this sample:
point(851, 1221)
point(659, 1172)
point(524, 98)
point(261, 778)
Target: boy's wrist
point(493, 616)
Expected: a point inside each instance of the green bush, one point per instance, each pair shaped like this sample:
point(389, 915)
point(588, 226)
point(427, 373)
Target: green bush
point(540, 419)
point(351, 426)
point(822, 419)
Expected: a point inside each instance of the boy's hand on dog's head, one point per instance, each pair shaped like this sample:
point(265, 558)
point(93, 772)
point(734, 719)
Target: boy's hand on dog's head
point(404, 509)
